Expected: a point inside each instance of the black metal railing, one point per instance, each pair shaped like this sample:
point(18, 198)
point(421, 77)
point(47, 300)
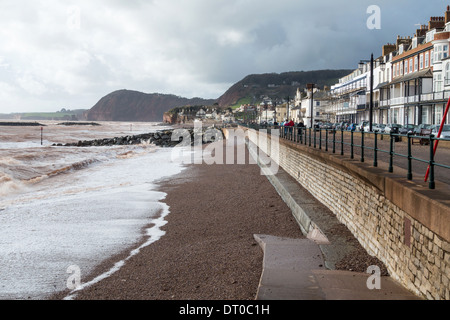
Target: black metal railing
point(375, 146)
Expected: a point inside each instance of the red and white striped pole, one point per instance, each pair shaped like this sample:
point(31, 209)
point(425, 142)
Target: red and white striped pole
point(438, 136)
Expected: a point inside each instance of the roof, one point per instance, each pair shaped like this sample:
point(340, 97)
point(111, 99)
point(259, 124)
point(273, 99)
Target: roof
point(382, 84)
point(408, 53)
point(426, 73)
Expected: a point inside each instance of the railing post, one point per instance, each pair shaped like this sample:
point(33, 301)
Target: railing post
point(352, 156)
point(362, 146)
point(375, 151)
point(334, 140)
point(431, 183)
point(314, 136)
point(320, 139)
point(326, 140)
point(310, 137)
point(342, 142)
point(409, 176)
point(391, 153)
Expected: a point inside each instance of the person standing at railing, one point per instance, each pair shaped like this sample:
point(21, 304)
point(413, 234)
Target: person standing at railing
point(283, 125)
point(290, 126)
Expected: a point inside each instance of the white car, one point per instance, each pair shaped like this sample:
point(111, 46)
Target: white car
point(360, 127)
point(389, 127)
point(445, 134)
point(367, 127)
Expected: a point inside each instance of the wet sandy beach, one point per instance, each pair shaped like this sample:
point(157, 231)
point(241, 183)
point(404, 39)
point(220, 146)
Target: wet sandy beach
point(208, 251)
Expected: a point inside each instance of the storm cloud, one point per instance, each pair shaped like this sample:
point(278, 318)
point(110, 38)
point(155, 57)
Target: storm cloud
point(56, 54)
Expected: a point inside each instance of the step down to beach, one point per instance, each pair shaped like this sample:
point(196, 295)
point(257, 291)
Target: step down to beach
point(293, 269)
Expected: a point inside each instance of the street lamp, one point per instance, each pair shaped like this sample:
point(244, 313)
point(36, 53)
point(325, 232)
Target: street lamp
point(274, 112)
point(287, 107)
point(382, 66)
point(310, 86)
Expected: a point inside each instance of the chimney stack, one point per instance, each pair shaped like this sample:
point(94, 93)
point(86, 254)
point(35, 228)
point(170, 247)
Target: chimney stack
point(447, 15)
point(436, 23)
point(388, 48)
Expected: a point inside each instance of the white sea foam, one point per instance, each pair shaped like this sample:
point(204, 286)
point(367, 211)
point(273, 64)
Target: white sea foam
point(80, 217)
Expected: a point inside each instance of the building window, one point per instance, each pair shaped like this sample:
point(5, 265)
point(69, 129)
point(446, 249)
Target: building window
point(421, 61)
point(438, 114)
point(437, 82)
point(401, 68)
point(395, 116)
point(432, 58)
point(416, 64)
point(406, 66)
point(441, 52)
point(425, 115)
point(426, 59)
point(410, 65)
point(447, 74)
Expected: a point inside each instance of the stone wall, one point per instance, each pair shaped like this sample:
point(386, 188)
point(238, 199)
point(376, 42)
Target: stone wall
point(403, 226)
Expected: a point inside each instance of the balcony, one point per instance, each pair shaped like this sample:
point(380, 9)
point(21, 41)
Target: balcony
point(385, 103)
point(361, 106)
point(412, 99)
point(432, 97)
point(435, 96)
point(399, 100)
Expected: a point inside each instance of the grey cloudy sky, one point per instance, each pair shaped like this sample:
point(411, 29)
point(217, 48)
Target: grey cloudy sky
point(56, 54)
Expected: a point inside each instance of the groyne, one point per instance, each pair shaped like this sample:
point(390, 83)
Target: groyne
point(162, 138)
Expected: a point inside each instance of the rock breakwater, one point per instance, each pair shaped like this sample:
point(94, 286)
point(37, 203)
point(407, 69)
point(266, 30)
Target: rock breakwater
point(164, 138)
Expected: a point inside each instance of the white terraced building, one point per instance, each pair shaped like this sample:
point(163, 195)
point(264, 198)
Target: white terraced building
point(411, 81)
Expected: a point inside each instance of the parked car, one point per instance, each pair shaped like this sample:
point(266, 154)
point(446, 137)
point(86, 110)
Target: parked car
point(409, 128)
point(342, 125)
point(379, 128)
point(360, 127)
point(351, 127)
point(326, 125)
point(445, 131)
point(419, 128)
point(375, 127)
point(392, 127)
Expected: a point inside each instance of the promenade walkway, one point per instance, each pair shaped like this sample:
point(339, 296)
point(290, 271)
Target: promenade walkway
point(305, 269)
point(400, 147)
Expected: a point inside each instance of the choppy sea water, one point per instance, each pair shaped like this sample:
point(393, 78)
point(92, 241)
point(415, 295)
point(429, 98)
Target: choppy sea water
point(62, 207)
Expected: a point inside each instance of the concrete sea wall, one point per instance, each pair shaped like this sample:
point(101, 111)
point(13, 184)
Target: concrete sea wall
point(405, 226)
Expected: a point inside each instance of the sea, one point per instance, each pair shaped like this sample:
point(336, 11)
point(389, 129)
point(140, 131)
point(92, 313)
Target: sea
point(65, 210)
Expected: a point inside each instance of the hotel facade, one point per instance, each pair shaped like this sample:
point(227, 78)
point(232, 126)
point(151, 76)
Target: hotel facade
point(411, 81)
